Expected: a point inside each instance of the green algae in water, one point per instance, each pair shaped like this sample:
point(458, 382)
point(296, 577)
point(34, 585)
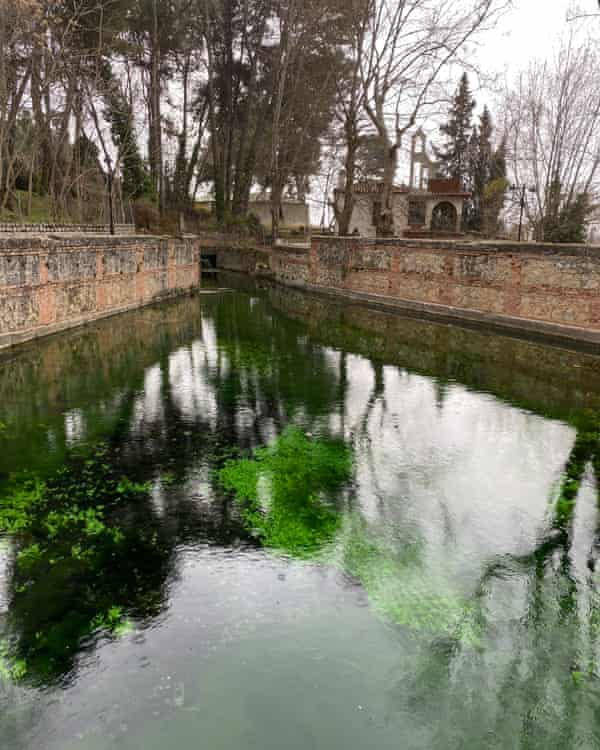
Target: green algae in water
point(399, 588)
point(82, 562)
point(584, 452)
point(282, 489)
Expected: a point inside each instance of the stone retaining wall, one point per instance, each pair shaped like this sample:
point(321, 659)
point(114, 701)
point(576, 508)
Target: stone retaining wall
point(48, 284)
point(550, 289)
point(120, 229)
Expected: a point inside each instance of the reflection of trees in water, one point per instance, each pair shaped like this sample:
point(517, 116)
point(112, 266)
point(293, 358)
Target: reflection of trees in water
point(77, 588)
point(248, 376)
point(86, 370)
point(515, 371)
point(273, 370)
point(549, 695)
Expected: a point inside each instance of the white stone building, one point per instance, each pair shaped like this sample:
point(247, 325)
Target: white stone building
point(295, 214)
point(594, 228)
point(428, 205)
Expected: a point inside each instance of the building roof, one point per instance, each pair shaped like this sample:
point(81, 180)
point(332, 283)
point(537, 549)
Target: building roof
point(436, 187)
point(373, 187)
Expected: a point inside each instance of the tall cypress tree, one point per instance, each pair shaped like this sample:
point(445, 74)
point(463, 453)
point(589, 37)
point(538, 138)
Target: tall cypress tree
point(453, 158)
point(487, 177)
point(136, 180)
point(565, 220)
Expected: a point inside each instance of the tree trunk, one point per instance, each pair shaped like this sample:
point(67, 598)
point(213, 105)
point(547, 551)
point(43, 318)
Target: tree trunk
point(385, 224)
point(276, 199)
point(229, 104)
point(248, 141)
point(344, 215)
point(281, 80)
point(156, 156)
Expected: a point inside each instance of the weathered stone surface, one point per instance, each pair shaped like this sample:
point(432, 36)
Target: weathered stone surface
point(75, 265)
point(369, 281)
point(52, 283)
point(372, 258)
point(19, 270)
point(156, 256)
point(19, 309)
point(291, 267)
point(421, 262)
point(547, 283)
point(119, 261)
point(332, 254)
point(120, 229)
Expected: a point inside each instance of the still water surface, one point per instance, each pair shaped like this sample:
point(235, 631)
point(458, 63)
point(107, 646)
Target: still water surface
point(450, 605)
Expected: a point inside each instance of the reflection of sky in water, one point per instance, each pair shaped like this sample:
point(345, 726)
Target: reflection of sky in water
point(74, 427)
point(252, 645)
point(190, 392)
point(427, 451)
point(475, 475)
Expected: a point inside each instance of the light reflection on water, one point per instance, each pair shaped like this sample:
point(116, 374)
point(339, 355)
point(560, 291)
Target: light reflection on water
point(450, 636)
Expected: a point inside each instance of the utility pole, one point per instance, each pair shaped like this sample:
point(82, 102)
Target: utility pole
point(521, 191)
point(110, 181)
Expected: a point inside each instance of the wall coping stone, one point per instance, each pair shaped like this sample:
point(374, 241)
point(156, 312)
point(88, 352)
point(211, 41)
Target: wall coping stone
point(46, 227)
point(488, 246)
point(52, 243)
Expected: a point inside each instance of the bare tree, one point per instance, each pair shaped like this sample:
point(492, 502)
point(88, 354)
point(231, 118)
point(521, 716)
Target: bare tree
point(18, 22)
point(288, 50)
point(410, 44)
point(589, 10)
point(350, 94)
point(553, 112)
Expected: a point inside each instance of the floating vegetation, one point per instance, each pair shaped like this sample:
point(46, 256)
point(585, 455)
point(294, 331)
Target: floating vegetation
point(88, 555)
point(401, 590)
point(284, 490)
point(585, 451)
point(168, 479)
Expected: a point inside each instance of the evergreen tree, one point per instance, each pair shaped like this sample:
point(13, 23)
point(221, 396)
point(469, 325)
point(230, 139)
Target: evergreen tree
point(566, 221)
point(453, 158)
point(487, 177)
point(136, 180)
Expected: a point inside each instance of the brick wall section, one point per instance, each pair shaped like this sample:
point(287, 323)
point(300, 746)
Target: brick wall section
point(48, 283)
point(557, 286)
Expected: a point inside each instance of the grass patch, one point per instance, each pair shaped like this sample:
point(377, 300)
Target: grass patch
point(41, 210)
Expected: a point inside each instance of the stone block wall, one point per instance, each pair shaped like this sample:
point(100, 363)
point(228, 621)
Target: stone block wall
point(51, 283)
point(120, 229)
point(547, 288)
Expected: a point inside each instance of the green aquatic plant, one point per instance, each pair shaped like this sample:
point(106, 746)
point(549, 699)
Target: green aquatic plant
point(168, 479)
point(88, 555)
point(584, 452)
point(112, 621)
point(11, 669)
point(399, 587)
point(284, 489)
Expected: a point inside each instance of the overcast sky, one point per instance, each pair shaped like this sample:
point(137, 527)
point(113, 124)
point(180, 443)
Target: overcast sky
point(528, 31)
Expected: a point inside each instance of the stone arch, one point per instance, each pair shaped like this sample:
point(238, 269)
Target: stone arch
point(444, 218)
